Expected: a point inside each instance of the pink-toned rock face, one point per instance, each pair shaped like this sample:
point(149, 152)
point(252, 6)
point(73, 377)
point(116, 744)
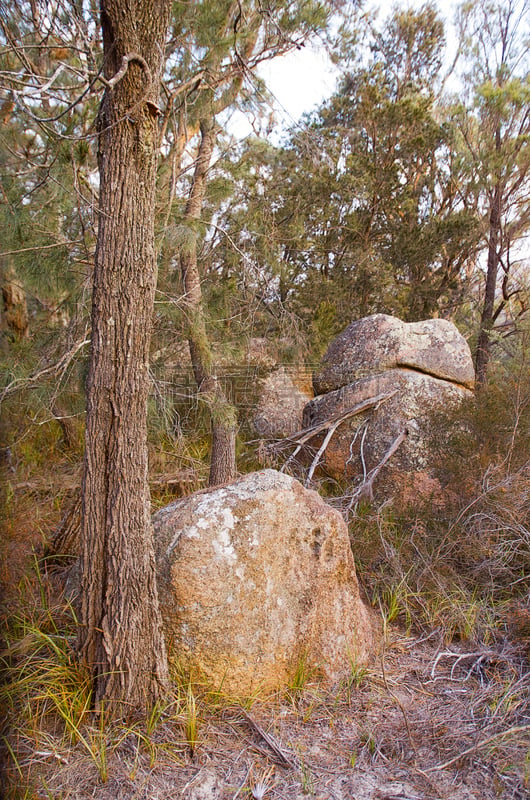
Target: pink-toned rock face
point(419, 368)
point(255, 576)
point(283, 397)
point(364, 439)
point(380, 342)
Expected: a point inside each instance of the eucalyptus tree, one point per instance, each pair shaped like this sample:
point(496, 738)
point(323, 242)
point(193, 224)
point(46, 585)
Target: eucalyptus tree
point(120, 634)
point(228, 42)
point(367, 214)
point(494, 125)
point(54, 65)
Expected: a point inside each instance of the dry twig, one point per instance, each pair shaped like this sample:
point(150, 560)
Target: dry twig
point(285, 758)
point(302, 437)
point(488, 740)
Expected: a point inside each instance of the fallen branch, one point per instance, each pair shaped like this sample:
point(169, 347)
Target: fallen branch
point(175, 479)
point(301, 437)
point(475, 658)
point(321, 450)
point(366, 489)
point(285, 758)
point(478, 745)
point(367, 486)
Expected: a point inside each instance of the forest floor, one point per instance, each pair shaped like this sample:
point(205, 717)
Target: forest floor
point(426, 720)
point(424, 723)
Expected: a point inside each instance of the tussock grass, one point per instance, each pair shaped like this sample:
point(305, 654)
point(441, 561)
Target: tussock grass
point(46, 694)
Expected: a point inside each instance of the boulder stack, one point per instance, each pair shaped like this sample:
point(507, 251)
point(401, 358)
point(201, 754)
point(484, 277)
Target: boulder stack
point(416, 369)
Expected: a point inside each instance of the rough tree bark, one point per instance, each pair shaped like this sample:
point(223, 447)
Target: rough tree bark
point(223, 415)
point(15, 308)
point(120, 634)
point(487, 319)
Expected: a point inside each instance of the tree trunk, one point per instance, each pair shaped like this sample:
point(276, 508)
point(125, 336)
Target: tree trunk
point(120, 634)
point(15, 310)
point(223, 458)
point(223, 415)
point(488, 309)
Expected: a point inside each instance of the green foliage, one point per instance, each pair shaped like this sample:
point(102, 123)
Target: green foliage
point(493, 130)
point(377, 202)
point(383, 227)
point(43, 680)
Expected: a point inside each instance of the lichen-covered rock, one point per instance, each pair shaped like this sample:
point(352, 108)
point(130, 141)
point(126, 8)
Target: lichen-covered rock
point(255, 576)
point(374, 344)
point(421, 369)
point(283, 397)
point(361, 442)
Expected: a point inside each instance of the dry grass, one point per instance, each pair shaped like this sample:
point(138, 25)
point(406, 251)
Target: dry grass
point(424, 722)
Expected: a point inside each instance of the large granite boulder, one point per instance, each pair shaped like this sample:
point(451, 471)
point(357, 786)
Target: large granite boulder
point(283, 396)
point(374, 344)
point(417, 370)
point(255, 576)
point(409, 401)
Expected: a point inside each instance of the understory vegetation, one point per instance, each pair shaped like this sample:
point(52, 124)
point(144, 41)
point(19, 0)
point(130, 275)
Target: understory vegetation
point(449, 580)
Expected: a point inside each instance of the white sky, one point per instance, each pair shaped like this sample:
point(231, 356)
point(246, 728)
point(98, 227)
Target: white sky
point(300, 80)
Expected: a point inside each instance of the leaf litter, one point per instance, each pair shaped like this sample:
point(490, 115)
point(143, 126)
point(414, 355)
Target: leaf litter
point(422, 723)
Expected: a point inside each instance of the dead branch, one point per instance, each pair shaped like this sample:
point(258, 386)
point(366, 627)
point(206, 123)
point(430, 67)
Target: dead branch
point(321, 450)
point(301, 437)
point(488, 740)
point(55, 369)
point(366, 489)
point(41, 88)
point(124, 66)
point(475, 658)
point(285, 758)
point(372, 475)
point(40, 247)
